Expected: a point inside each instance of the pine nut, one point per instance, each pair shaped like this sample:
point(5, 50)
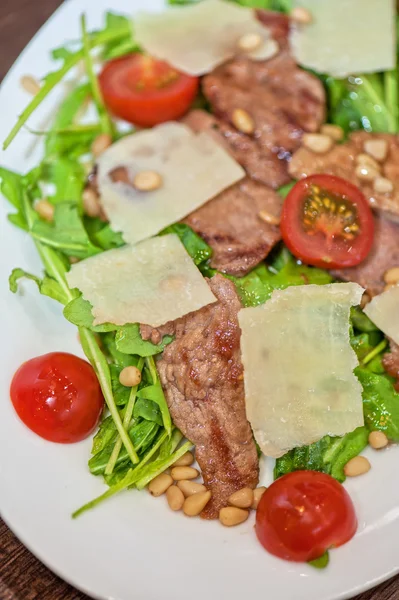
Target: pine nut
point(317, 142)
point(160, 484)
point(30, 84)
point(242, 498)
point(130, 376)
point(366, 173)
point(45, 209)
point(196, 503)
point(389, 286)
point(301, 15)
point(175, 498)
point(243, 121)
point(382, 185)
point(147, 181)
point(190, 487)
point(180, 473)
point(258, 493)
point(392, 275)
point(249, 42)
point(184, 461)
point(365, 300)
point(101, 143)
point(335, 132)
point(91, 205)
point(378, 149)
point(367, 161)
point(268, 218)
point(378, 439)
point(231, 516)
point(270, 49)
point(357, 466)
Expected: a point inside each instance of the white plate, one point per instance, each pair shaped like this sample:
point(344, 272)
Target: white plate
point(133, 546)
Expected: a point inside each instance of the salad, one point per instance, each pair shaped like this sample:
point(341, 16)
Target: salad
point(216, 211)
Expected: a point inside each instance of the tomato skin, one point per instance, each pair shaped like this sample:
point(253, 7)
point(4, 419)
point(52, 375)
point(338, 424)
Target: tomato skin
point(316, 250)
point(145, 91)
point(303, 514)
point(58, 397)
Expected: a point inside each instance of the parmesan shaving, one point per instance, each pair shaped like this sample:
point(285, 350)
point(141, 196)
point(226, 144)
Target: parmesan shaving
point(151, 283)
point(195, 39)
point(298, 366)
point(346, 36)
point(192, 168)
point(383, 310)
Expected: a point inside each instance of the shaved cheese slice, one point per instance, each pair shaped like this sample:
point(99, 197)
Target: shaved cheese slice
point(195, 39)
point(298, 366)
point(151, 283)
point(383, 310)
point(347, 36)
point(192, 169)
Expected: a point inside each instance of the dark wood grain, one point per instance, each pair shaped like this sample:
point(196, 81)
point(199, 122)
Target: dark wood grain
point(22, 576)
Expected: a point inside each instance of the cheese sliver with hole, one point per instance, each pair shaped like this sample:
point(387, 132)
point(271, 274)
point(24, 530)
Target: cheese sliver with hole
point(192, 168)
point(383, 310)
point(197, 38)
point(346, 36)
point(298, 366)
point(152, 283)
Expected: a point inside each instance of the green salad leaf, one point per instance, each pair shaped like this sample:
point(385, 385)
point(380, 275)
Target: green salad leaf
point(321, 562)
point(129, 341)
point(78, 312)
point(380, 402)
point(67, 176)
point(47, 286)
point(199, 250)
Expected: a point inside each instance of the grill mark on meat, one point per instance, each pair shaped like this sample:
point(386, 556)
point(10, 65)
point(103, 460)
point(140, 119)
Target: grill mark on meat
point(202, 377)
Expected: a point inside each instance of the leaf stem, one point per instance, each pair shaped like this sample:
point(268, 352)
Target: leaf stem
point(374, 352)
point(392, 99)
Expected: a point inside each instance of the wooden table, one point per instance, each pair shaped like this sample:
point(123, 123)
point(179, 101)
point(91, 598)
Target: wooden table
point(22, 576)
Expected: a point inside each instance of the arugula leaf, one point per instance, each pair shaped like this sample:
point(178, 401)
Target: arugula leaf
point(199, 250)
point(155, 393)
point(148, 410)
point(361, 321)
point(78, 312)
point(68, 177)
point(120, 358)
point(108, 239)
point(328, 455)
point(321, 562)
point(66, 233)
point(129, 341)
point(12, 186)
point(380, 402)
point(105, 434)
point(47, 286)
point(123, 46)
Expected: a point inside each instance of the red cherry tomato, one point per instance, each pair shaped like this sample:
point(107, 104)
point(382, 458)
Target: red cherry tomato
point(327, 222)
point(303, 514)
point(57, 396)
point(146, 91)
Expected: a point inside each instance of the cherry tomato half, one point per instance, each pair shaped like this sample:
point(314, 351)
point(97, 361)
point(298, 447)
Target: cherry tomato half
point(146, 91)
point(327, 222)
point(57, 396)
point(303, 514)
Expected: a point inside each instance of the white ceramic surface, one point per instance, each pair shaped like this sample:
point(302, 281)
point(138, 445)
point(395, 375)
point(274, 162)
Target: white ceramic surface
point(133, 546)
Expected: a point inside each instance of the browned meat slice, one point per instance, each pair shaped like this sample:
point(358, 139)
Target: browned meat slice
point(384, 255)
point(261, 164)
point(282, 99)
point(278, 24)
point(202, 376)
point(390, 362)
point(342, 161)
point(155, 334)
point(231, 224)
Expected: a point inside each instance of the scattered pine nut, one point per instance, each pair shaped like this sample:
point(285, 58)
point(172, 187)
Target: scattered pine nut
point(378, 149)
point(130, 376)
point(382, 185)
point(184, 461)
point(231, 516)
point(30, 84)
point(378, 439)
point(392, 275)
point(301, 15)
point(91, 204)
point(243, 121)
point(147, 181)
point(367, 161)
point(44, 209)
point(335, 132)
point(366, 173)
point(258, 493)
point(317, 142)
point(249, 42)
point(101, 143)
point(268, 218)
point(270, 49)
point(190, 487)
point(242, 498)
point(357, 466)
point(365, 300)
point(196, 503)
point(175, 497)
point(160, 484)
point(180, 473)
